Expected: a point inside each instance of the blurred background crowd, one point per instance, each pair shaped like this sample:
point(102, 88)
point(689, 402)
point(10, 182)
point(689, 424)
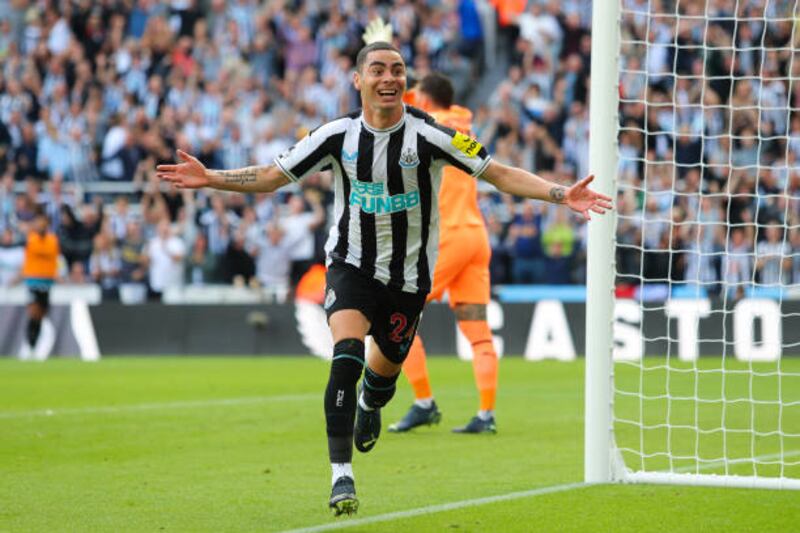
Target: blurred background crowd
point(94, 94)
point(710, 144)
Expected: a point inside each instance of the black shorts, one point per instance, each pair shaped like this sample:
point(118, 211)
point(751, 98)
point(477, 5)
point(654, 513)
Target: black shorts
point(40, 296)
point(393, 315)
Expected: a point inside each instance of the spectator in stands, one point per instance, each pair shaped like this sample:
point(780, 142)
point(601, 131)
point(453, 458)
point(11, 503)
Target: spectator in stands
point(26, 153)
point(218, 223)
point(576, 137)
point(7, 201)
point(500, 264)
point(238, 266)
point(301, 51)
point(773, 257)
point(629, 237)
point(54, 197)
point(201, 266)
point(688, 150)
point(23, 212)
point(270, 145)
point(471, 32)
point(165, 253)
point(273, 255)
point(132, 259)
point(541, 29)
point(745, 148)
point(112, 166)
point(299, 226)
point(737, 264)
point(12, 253)
point(559, 241)
point(525, 244)
point(235, 152)
point(794, 241)
point(75, 238)
point(80, 159)
point(105, 265)
point(120, 217)
point(701, 265)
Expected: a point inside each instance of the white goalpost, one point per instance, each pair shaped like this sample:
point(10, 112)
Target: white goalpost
point(693, 282)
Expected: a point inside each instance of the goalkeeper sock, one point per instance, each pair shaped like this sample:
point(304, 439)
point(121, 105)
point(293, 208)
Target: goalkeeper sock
point(415, 369)
point(484, 360)
point(340, 398)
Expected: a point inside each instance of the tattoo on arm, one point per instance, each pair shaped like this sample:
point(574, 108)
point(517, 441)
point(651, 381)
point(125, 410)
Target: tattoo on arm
point(557, 194)
point(239, 177)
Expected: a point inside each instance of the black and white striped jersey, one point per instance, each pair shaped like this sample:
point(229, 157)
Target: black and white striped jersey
point(387, 189)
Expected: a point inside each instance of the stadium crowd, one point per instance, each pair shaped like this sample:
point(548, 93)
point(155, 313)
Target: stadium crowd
point(100, 92)
point(709, 145)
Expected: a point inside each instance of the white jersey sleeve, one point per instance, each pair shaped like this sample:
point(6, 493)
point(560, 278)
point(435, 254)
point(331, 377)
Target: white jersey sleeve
point(456, 148)
point(313, 152)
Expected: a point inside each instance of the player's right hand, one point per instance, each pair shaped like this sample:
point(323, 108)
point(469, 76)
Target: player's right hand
point(190, 174)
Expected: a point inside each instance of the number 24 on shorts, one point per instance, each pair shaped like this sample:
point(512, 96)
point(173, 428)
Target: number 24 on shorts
point(400, 330)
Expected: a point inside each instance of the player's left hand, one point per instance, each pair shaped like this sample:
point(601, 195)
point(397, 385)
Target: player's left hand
point(581, 199)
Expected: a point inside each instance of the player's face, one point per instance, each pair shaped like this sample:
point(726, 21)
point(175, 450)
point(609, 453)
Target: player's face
point(382, 80)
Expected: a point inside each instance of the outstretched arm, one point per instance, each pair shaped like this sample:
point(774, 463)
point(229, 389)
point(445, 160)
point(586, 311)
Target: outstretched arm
point(520, 182)
point(192, 174)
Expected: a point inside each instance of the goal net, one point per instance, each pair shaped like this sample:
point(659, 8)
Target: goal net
point(697, 377)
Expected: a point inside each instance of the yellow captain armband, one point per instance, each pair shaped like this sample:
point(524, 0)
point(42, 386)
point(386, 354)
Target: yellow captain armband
point(466, 144)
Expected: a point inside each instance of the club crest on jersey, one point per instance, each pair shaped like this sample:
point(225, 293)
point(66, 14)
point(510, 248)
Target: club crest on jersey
point(349, 157)
point(466, 144)
point(409, 159)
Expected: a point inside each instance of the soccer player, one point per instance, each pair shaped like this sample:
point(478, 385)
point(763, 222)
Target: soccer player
point(387, 162)
point(39, 270)
point(462, 269)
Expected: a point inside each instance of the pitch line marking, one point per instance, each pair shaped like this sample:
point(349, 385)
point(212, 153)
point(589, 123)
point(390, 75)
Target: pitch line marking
point(431, 509)
point(133, 408)
point(440, 508)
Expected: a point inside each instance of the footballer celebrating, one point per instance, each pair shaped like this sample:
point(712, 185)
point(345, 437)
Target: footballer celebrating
point(387, 161)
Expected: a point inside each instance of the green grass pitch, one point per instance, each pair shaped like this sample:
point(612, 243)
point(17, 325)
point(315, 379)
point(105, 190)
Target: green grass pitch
point(238, 444)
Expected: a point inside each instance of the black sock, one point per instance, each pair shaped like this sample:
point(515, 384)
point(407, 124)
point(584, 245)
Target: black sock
point(340, 398)
point(378, 390)
point(34, 327)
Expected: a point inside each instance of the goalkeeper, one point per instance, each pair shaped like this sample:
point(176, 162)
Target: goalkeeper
point(462, 269)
